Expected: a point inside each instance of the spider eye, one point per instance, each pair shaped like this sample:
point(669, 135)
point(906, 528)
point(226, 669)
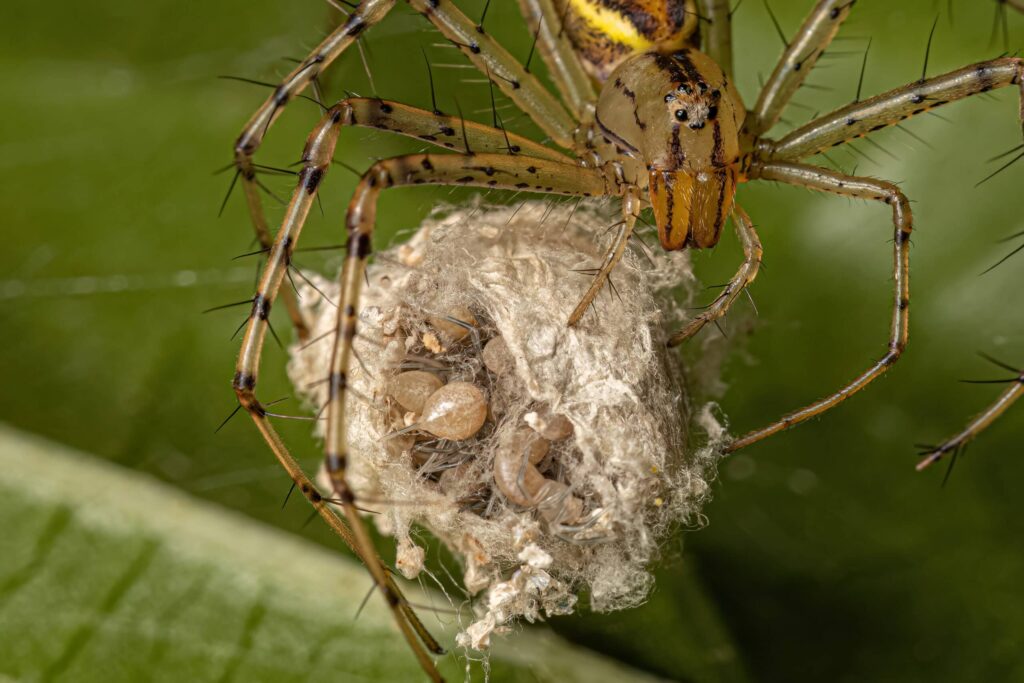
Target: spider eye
point(670, 97)
point(681, 115)
point(684, 88)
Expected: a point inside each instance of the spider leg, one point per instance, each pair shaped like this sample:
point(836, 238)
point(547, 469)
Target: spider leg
point(495, 170)
point(977, 425)
point(408, 621)
point(744, 276)
point(802, 52)
point(317, 156)
point(522, 87)
point(481, 170)
point(630, 212)
point(571, 81)
point(718, 36)
point(249, 140)
point(862, 118)
point(825, 180)
point(436, 129)
point(489, 57)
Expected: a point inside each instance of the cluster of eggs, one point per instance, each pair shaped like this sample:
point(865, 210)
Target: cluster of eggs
point(445, 413)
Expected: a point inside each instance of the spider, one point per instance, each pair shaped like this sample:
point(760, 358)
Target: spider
point(648, 113)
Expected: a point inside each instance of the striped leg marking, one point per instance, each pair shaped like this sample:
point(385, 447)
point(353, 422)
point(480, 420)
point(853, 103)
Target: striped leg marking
point(481, 170)
point(825, 180)
point(802, 52)
point(863, 118)
point(752, 253)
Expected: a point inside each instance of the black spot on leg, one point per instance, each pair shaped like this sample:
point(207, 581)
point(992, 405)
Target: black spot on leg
point(243, 381)
point(311, 178)
point(359, 245)
point(904, 304)
point(917, 98)
point(337, 383)
point(260, 306)
point(851, 121)
point(386, 108)
point(355, 26)
point(391, 596)
point(427, 166)
point(465, 179)
point(280, 96)
point(531, 169)
point(335, 462)
point(447, 130)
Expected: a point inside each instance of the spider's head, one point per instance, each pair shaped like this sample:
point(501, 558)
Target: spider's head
point(679, 114)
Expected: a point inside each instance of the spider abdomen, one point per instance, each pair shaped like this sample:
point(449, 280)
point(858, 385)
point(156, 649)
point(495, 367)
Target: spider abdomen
point(606, 32)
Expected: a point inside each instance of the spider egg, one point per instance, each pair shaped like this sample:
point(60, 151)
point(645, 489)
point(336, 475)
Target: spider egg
point(412, 389)
point(497, 357)
point(456, 411)
point(517, 478)
point(452, 330)
point(551, 427)
point(526, 441)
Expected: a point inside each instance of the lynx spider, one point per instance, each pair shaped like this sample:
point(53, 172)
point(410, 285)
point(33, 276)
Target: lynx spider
point(657, 124)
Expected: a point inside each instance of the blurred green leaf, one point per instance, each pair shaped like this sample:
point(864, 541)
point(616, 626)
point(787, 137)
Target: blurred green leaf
point(140, 582)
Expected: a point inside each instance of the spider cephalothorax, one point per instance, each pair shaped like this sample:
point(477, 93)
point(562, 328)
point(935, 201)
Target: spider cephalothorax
point(674, 120)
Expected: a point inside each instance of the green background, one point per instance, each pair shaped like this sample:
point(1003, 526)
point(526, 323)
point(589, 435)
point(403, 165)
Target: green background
point(826, 556)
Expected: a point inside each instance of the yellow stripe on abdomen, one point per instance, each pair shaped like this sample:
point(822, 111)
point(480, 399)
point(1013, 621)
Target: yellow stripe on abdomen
point(610, 23)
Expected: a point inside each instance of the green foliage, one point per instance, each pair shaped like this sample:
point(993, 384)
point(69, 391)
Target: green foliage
point(827, 557)
point(110, 576)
